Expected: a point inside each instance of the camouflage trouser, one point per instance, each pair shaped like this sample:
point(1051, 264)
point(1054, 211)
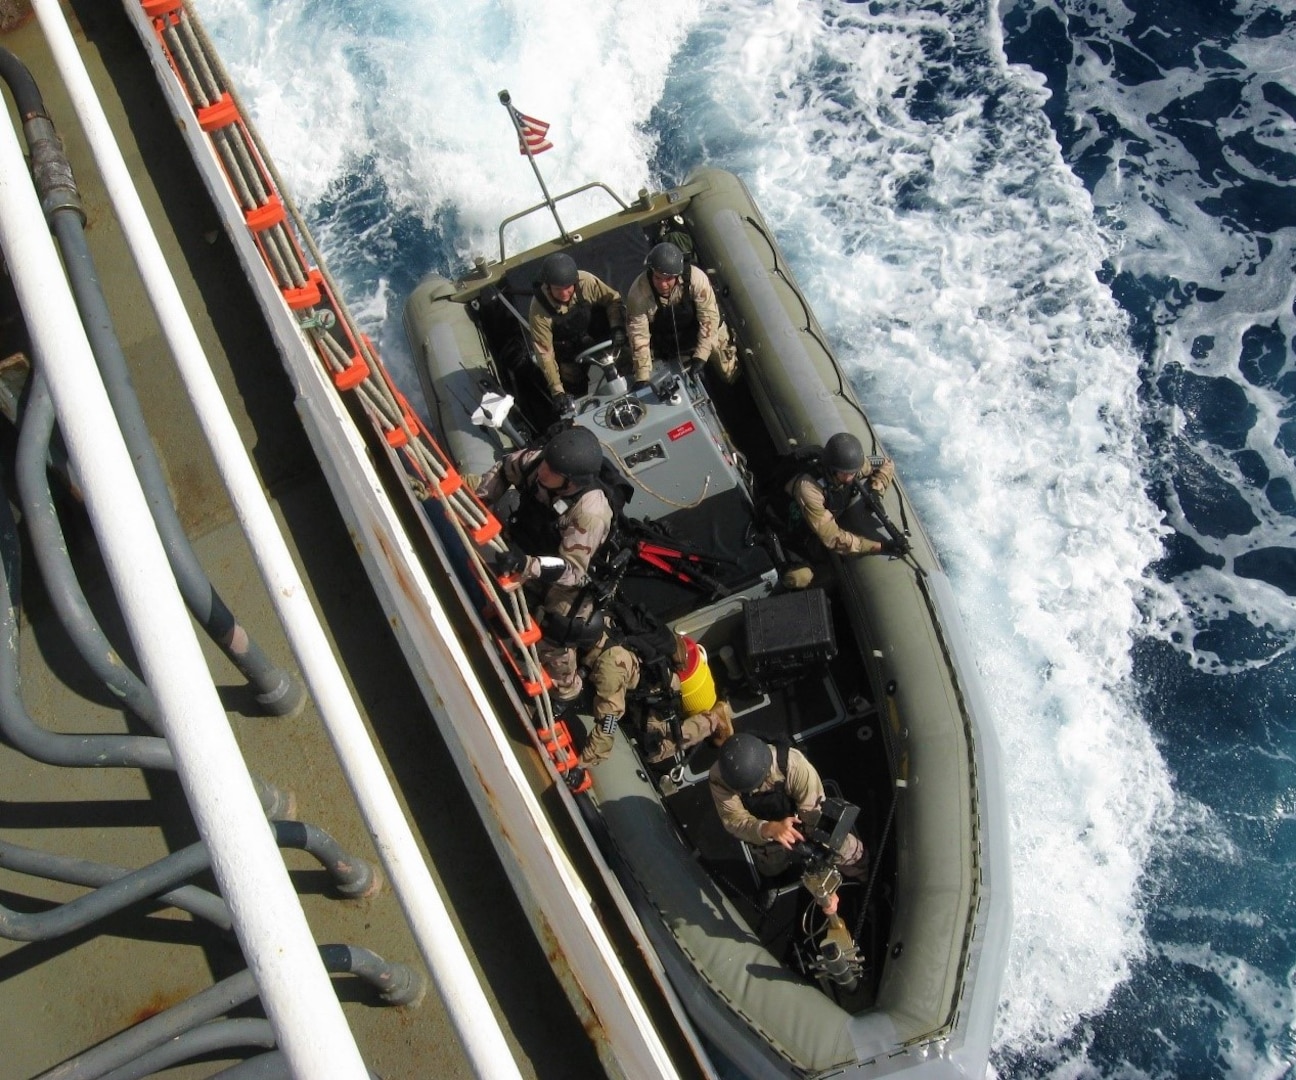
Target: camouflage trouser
point(615, 672)
point(693, 730)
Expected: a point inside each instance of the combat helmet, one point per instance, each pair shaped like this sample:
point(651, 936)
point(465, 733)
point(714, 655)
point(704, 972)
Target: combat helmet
point(559, 270)
point(744, 761)
point(575, 453)
point(572, 630)
point(666, 259)
point(842, 453)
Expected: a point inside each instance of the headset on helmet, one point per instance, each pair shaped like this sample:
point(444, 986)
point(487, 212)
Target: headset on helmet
point(843, 453)
point(666, 259)
point(575, 453)
point(558, 270)
point(744, 761)
point(571, 630)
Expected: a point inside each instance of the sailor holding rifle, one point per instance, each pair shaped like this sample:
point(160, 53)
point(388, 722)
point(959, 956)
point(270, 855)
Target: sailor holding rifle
point(820, 495)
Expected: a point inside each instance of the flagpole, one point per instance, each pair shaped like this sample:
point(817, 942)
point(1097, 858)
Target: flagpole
point(507, 102)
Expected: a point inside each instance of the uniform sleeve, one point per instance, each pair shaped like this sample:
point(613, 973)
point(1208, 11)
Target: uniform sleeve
point(640, 307)
point(809, 497)
point(582, 529)
point(599, 292)
point(804, 787)
point(540, 323)
point(504, 474)
point(736, 819)
point(708, 312)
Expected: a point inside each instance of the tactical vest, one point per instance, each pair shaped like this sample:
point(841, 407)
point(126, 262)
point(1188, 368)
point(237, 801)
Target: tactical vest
point(577, 328)
point(775, 804)
point(674, 330)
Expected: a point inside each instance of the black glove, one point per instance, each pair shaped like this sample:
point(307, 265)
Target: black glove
point(891, 547)
point(510, 562)
point(565, 404)
point(618, 337)
point(639, 384)
point(577, 779)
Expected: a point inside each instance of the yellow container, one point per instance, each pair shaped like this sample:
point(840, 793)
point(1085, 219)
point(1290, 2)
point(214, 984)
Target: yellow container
point(697, 685)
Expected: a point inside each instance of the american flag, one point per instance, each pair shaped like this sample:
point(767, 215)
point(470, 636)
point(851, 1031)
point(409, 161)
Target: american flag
point(531, 135)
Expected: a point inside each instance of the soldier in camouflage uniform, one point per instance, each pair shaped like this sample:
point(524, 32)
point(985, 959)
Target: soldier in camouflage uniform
point(570, 311)
point(615, 672)
point(766, 795)
point(563, 517)
point(671, 310)
point(819, 496)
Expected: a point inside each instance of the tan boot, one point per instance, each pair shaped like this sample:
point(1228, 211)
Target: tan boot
point(722, 723)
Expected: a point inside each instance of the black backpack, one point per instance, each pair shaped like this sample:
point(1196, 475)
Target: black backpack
point(640, 632)
point(776, 505)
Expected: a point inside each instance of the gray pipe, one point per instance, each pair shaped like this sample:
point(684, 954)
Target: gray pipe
point(271, 1066)
point(206, 1005)
point(277, 692)
point(69, 750)
point(353, 877)
point(45, 864)
point(133, 888)
point(218, 1035)
point(50, 549)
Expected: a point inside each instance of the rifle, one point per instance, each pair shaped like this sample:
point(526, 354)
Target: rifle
point(873, 500)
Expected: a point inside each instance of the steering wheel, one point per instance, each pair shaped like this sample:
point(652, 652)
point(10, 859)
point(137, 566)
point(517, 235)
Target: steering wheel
point(591, 355)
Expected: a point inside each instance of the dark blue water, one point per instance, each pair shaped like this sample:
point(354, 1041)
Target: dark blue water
point(1180, 118)
point(1055, 246)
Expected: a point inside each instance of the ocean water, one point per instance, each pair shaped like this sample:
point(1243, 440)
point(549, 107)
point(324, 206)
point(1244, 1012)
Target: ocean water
point(1054, 243)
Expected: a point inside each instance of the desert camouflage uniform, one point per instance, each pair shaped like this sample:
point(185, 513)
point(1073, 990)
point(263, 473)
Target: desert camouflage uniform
point(559, 373)
point(713, 344)
point(582, 526)
point(808, 495)
point(805, 789)
point(613, 671)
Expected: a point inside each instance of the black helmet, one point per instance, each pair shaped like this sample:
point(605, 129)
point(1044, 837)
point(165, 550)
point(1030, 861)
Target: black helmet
point(558, 270)
point(666, 259)
point(579, 633)
point(843, 453)
point(575, 453)
point(744, 761)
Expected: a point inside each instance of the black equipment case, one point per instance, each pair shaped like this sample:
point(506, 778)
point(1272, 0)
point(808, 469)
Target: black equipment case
point(788, 633)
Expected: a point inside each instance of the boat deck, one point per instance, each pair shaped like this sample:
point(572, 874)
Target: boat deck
point(62, 996)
